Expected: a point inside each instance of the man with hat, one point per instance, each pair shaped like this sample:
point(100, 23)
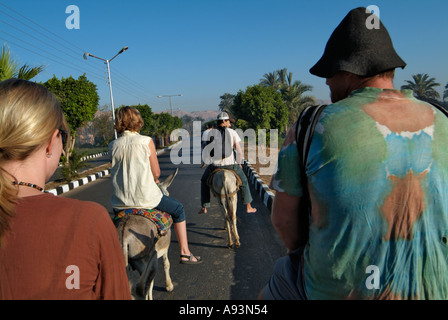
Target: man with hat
point(377, 176)
point(224, 161)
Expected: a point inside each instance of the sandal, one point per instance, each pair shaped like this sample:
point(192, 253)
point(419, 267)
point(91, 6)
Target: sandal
point(190, 259)
point(202, 211)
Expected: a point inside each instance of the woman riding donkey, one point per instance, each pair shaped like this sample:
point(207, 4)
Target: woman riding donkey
point(224, 160)
point(135, 173)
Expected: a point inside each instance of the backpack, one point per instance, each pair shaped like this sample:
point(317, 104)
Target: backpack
point(225, 140)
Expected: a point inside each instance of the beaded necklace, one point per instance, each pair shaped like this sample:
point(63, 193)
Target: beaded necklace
point(27, 184)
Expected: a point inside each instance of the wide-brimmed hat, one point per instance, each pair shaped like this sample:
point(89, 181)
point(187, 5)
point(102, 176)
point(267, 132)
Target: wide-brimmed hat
point(358, 49)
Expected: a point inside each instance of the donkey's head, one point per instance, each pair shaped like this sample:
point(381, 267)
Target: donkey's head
point(167, 182)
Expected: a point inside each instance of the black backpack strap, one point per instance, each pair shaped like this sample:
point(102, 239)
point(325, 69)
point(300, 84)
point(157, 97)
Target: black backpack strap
point(306, 124)
point(442, 109)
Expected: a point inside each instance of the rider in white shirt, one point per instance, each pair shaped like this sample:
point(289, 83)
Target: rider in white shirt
point(226, 162)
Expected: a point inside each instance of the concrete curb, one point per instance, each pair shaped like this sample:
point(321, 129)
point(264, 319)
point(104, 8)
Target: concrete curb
point(266, 195)
point(80, 182)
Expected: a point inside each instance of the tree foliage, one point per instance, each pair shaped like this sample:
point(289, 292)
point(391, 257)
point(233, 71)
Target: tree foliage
point(79, 101)
point(10, 68)
point(293, 92)
point(148, 119)
point(261, 108)
point(226, 102)
point(423, 86)
point(157, 125)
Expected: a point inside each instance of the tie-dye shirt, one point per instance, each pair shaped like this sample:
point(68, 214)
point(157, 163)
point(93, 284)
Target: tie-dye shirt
point(378, 179)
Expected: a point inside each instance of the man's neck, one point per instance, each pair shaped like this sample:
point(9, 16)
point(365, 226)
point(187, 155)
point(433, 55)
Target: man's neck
point(375, 82)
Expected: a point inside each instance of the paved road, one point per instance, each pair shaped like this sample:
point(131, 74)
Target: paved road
point(225, 274)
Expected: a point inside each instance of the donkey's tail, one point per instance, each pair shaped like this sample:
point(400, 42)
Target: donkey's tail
point(228, 196)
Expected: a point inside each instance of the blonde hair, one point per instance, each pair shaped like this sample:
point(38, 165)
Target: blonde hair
point(128, 118)
point(29, 115)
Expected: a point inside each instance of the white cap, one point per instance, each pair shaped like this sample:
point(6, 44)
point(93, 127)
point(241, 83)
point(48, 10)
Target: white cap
point(223, 116)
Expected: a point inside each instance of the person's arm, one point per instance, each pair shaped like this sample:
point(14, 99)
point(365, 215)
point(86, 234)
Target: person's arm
point(154, 162)
point(239, 153)
point(288, 221)
point(288, 217)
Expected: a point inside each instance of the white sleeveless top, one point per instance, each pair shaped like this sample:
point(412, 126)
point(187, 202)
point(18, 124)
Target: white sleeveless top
point(133, 184)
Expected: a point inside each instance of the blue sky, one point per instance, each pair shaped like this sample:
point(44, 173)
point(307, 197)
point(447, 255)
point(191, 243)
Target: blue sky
point(205, 48)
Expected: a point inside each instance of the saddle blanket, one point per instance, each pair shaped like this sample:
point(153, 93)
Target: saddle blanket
point(162, 220)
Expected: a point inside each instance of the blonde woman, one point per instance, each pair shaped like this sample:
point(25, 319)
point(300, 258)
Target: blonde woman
point(50, 247)
point(135, 172)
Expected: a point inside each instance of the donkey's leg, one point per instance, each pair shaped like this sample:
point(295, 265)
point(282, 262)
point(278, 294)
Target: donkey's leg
point(235, 231)
point(149, 293)
point(229, 232)
point(166, 267)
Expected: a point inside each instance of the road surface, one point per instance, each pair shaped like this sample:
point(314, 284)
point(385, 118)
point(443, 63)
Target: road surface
point(225, 274)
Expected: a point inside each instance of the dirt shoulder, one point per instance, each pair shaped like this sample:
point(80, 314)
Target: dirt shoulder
point(262, 159)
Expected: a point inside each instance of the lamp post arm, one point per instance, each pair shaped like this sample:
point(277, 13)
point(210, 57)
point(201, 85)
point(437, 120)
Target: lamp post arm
point(91, 55)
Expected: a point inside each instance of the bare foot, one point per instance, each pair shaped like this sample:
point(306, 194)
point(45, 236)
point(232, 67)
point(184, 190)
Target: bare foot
point(250, 209)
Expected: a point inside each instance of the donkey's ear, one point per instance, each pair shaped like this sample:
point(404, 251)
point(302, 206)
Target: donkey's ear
point(167, 182)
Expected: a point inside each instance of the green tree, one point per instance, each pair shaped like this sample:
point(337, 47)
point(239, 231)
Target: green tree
point(148, 119)
point(423, 86)
point(164, 124)
point(292, 91)
point(226, 102)
point(294, 98)
point(261, 108)
point(177, 123)
point(10, 68)
point(271, 79)
point(79, 101)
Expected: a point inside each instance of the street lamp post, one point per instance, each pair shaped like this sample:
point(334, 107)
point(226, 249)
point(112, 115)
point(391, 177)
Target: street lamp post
point(107, 61)
point(169, 96)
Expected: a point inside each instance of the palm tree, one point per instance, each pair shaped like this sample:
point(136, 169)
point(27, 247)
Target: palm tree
point(270, 80)
point(281, 75)
point(10, 68)
point(293, 96)
point(423, 86)
point(292, 91)
point(275, 79)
